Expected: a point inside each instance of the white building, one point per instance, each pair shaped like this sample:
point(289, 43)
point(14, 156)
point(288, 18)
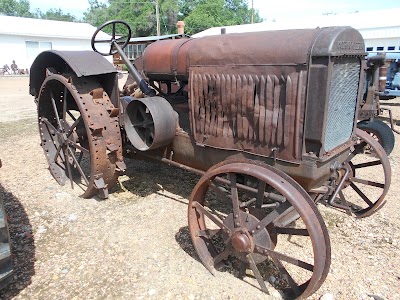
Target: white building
point(380, 28)
point(22, 39)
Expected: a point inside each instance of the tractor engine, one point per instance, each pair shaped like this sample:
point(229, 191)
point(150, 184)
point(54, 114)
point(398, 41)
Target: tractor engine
point(283, 94)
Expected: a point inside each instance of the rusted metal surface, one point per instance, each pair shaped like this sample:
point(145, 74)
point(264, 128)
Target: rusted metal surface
point(150, 122)
point(82, 63)
point(248, 92)
point(79, 137)
point(249, 112)
point(247, 228)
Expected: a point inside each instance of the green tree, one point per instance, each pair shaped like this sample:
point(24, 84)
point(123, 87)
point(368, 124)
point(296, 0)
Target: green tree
point(197, 14)
point(16, 8)
point(140, 15)
point(214, 13)
point(56, 14)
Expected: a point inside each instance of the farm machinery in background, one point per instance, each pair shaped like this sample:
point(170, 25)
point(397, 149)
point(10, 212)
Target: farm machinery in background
point(375, 84)
point(267, 119)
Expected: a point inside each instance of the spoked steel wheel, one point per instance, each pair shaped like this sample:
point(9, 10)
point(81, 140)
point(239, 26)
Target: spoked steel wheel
point(236, 224)
point(369, 176)
point(80, 134)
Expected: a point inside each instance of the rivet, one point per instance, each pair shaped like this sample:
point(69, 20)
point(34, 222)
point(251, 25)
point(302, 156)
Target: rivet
point(258, 227)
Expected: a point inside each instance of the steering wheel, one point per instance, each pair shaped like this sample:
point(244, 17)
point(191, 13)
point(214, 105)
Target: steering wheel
point(123, 39)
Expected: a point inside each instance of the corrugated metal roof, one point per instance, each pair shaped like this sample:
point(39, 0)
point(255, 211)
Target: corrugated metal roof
point(366, 22)
point(47, 28)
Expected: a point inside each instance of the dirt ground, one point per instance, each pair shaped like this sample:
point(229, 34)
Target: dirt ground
point(135, 245)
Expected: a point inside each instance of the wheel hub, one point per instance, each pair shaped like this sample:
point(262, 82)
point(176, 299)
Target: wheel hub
point(241, 242)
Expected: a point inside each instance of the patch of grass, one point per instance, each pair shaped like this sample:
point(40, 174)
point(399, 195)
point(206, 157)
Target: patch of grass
point(18, 128)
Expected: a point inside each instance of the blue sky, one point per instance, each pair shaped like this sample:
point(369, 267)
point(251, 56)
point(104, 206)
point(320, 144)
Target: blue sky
point(268, 9)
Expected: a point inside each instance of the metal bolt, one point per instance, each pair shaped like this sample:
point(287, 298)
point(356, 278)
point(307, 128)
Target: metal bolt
point(237, 223)
point(252, 232)
point(258, 227)
point(236, 216)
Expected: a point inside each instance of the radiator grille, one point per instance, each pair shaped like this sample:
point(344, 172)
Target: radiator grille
point(342, 104)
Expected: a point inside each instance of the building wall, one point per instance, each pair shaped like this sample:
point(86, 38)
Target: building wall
point(14, 47)
point(383, 44)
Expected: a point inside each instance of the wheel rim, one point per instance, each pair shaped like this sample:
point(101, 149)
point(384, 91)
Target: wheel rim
point(80, 140)
point(370, 177)
point(123, 39)
point(238, 226)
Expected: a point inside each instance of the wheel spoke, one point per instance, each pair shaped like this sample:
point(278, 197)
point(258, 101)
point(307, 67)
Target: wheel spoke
point(242, 269)
point(367, 182)
point(71, 129)
point(71, 115)
point(362, 195)
point(260, 193)
point(142, 113)
point(221, 192)
point(53, 102)
point(78, 166)
point(271, 217)
point(210, 216)
point(293, 285)
point(44, 120)
point(102, 41)
point(292, 231)
point(208, 233)
point(143, 124)
point(80, 157)
point(367, 164)
point(65, 103)
point(257, 274)
point(58, 153)
point(284, 257)
point(147, 136)
point(68, 168)
point(75, 145)
point(222, 256)
point(235, 200)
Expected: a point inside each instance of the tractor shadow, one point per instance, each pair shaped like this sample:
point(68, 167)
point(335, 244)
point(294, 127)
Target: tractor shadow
point(143, 178)
point(22, 245)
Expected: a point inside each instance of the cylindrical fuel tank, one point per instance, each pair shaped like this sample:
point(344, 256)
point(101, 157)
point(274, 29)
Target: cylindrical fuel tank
point(171, 59)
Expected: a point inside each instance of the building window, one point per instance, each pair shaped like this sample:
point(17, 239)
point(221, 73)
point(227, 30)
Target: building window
point(379, 48)
point(134, 51)
point(34, 48)
point(391, 48)
point(370, 48)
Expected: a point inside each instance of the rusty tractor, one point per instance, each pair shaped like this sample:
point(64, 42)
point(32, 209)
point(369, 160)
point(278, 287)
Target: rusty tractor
point(267, 119)
point(6, 264)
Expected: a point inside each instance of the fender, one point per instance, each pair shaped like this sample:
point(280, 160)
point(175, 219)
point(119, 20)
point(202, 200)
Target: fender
point(82, 63)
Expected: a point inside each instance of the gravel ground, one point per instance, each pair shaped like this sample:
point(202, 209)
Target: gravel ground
point(136, 245)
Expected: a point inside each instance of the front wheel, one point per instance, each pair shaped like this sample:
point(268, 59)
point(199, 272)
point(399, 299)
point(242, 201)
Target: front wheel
point(239, 223)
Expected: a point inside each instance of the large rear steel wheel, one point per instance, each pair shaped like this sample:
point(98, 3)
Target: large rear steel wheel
point(238, 222)
point(80, 133)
